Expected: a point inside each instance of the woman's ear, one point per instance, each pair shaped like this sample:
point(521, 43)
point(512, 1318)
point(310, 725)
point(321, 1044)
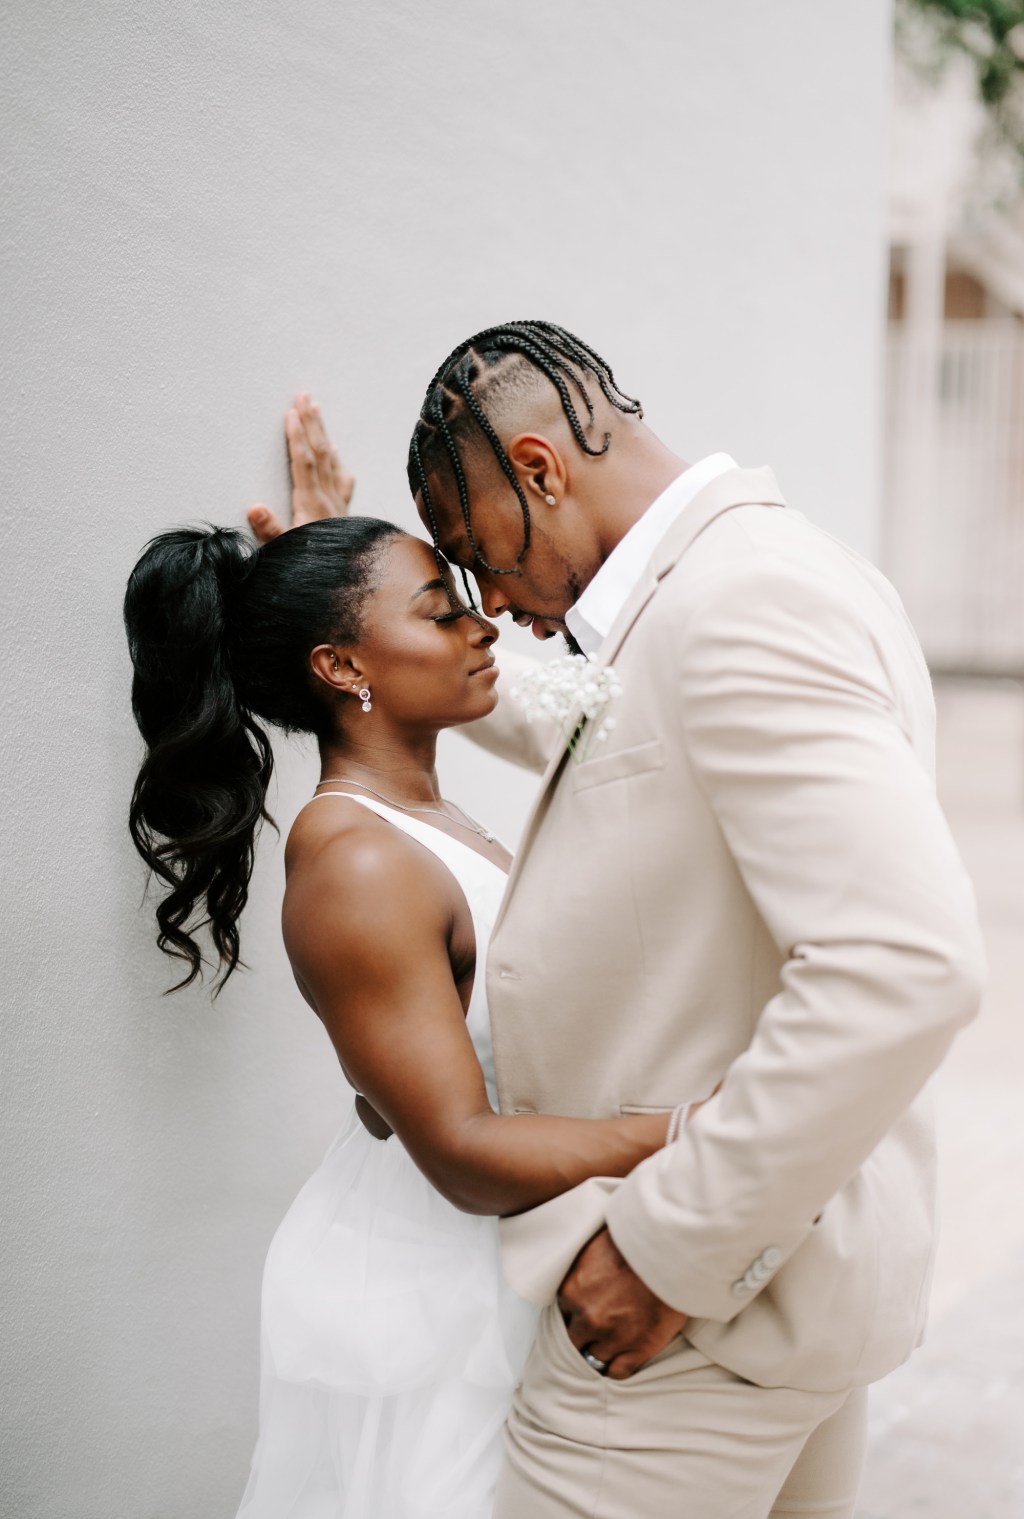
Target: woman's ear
point(336, 669)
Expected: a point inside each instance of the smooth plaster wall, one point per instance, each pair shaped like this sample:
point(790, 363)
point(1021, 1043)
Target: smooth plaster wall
point(206, 208)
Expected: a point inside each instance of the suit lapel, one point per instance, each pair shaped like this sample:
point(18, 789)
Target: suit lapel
point(739, 487)
point(560, 758)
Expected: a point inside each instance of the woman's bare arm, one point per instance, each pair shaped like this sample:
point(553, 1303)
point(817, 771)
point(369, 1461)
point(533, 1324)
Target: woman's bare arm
point(369, 926)
point(322, 487)
point(507, 731)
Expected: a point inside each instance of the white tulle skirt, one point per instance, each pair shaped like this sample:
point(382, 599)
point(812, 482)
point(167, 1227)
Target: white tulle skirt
point(390, 1347)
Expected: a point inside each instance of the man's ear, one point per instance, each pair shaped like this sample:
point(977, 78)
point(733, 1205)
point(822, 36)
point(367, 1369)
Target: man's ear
point(336, 669)
point(539, 466)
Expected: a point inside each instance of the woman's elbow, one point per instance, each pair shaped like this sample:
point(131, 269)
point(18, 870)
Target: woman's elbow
point(466, 1174)
point(468, 1194)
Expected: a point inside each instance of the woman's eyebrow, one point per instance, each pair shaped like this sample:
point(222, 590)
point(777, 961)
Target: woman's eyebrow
point(431, 585)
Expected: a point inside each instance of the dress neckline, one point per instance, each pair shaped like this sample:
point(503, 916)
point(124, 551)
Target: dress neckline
point(401, 818)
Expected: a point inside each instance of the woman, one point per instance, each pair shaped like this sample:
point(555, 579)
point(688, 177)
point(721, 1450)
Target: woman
point(390, 1345)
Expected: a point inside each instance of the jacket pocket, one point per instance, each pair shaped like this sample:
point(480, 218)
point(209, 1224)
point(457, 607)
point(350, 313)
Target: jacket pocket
point(626, 1108)
point(620, 765)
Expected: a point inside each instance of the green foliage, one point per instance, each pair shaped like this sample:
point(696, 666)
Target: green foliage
point(990, 34)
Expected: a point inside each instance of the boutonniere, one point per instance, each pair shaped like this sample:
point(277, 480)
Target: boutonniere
point(572, 692)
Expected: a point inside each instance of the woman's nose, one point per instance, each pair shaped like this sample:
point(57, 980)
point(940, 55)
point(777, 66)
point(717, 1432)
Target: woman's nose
point(482, 632)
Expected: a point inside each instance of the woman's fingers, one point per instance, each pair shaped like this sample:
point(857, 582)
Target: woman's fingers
point(316, 435)
point(333, 479)
point(264, 523)
point(345, 483)
point(301, 458)
point(321, 487)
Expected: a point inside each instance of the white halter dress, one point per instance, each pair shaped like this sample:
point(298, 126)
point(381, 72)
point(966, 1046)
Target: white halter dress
point(390, 1344)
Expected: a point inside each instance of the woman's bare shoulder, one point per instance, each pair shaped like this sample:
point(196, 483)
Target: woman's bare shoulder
point(365, 907)
point(340, 854)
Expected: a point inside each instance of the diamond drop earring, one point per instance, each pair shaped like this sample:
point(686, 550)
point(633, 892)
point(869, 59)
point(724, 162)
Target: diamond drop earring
point(364, 697)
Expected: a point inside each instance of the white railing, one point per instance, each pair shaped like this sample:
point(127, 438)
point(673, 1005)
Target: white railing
point(954, 491)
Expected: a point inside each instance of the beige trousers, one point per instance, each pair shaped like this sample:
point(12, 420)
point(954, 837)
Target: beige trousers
point(681, 1439)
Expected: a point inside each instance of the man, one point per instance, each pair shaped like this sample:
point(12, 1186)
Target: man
point(749, 884)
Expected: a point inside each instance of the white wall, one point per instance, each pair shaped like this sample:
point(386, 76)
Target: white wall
point(211, 206)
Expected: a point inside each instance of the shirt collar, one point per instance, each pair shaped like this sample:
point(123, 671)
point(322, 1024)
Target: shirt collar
point(591, 619)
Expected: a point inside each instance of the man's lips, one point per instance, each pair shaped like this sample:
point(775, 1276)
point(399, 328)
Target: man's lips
point(541, 626)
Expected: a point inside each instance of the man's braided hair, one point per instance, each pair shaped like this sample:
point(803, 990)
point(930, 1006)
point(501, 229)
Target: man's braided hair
point(453, 415)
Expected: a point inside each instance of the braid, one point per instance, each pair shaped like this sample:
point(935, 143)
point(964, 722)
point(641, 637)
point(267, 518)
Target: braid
point(571, 373)
point(561, 357)
point(606, 378)
point(538, 356)
point(437, 409)
point(483, 422)
point(417, 472)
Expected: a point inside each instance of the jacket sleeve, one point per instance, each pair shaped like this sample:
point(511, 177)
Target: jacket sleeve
point(507, 731)
point(795, 738)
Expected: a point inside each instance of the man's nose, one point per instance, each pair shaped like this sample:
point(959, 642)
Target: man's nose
point(492, 599)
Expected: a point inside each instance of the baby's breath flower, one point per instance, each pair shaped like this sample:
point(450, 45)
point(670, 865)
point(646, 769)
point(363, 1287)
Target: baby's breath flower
point(571, 692)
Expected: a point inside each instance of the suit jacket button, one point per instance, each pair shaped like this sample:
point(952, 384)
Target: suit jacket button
point(772, 1257)
point(741, 1288)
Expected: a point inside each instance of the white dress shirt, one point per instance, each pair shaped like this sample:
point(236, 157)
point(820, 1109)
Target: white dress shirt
point(591, 619)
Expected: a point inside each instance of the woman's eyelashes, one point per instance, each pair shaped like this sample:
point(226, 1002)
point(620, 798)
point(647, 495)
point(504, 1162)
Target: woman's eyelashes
point(456, 607)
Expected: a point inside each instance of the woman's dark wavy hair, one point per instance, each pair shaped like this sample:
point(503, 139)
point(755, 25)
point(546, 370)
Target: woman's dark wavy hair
point(220, 635)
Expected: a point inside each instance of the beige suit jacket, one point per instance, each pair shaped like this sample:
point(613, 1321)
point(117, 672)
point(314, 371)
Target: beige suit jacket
point(751, 880)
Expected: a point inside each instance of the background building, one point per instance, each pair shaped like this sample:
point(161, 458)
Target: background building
point(954, 457)
point(945, 1429)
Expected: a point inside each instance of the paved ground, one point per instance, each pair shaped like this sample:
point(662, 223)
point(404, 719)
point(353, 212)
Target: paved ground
point(947, 1436)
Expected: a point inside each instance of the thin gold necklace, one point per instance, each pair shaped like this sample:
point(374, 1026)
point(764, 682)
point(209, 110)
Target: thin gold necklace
point(464, 822)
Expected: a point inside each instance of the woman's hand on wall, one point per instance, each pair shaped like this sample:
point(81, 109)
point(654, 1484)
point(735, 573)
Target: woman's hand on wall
point(321, 487)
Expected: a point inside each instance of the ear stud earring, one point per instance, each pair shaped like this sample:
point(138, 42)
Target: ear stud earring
point(550, 500)
point(364, 697)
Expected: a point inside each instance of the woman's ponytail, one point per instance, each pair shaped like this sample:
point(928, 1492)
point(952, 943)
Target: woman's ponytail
point(200, 796)
point(220, 635)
